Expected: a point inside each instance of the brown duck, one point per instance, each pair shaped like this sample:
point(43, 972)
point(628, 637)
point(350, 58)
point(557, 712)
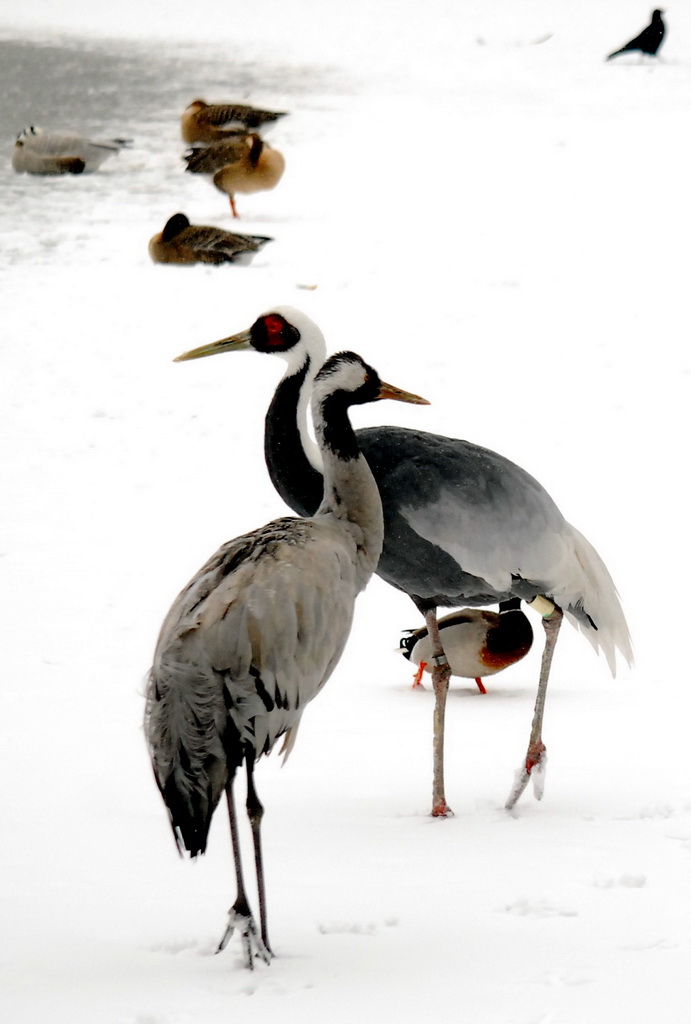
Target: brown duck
point(182, 242)
point(244, 163)
point(208, 122)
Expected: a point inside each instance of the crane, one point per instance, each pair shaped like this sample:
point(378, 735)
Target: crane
point(462, 525)
point(257, 632)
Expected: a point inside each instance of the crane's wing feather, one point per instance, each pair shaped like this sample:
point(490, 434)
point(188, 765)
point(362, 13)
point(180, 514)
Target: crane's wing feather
point(497, 525)
point(246, 645)
point(491, 516)
point(266, 620)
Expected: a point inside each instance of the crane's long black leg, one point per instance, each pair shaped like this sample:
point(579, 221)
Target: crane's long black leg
point(536, 758)
point(255, 813)
point(239, 915)
point(441, 673)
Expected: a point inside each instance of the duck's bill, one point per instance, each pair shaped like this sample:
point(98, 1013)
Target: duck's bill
point(389, 391)
point(235, 343)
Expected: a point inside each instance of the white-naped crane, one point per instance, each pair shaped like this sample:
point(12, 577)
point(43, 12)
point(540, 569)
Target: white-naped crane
point(259, 629)
point(211, 122)
point(39, 152)
point(477, 642)
point(462, 526)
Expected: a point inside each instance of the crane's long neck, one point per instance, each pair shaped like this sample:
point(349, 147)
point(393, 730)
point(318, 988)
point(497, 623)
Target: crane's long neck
point(292, 458)
point(350, 492)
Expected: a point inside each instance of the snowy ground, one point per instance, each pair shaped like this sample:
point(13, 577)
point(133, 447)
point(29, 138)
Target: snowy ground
point(497, 223)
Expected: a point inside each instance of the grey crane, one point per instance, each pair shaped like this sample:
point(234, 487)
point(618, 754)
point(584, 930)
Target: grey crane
point(648, 41)
point(39, 152)
point(258, 630)
point(462, 525)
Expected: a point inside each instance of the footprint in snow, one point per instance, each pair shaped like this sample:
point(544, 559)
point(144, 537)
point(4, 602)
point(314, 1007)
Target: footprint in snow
point(537, 908)
point(625, 881)
point(353, 927)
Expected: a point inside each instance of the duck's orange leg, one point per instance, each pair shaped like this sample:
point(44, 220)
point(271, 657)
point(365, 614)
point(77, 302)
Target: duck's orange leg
point(417, 680)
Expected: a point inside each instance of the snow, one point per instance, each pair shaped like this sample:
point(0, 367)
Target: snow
point(496, 223)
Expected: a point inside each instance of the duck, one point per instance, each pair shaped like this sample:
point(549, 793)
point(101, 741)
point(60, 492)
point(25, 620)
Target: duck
point(39, 152)
point(182, 242)
point(209, 122)
point(245, 163)
point(477, 642)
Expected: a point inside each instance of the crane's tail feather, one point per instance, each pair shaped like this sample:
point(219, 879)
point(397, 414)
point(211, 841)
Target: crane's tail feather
point(190, 815)
point(183, 731)
point(597, 611)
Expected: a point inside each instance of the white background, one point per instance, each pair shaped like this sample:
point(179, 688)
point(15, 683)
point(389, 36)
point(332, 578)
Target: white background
point(498, 220)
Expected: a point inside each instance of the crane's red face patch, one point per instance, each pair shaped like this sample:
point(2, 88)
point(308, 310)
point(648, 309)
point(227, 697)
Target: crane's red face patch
point(274, 330)
point(273, 333)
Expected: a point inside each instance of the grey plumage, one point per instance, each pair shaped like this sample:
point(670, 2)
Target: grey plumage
point(258, 631)
point(462, 525)
point(39, 152)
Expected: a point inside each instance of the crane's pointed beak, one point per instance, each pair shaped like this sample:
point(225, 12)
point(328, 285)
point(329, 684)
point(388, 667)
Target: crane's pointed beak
point(235, 343)
point(389, 391)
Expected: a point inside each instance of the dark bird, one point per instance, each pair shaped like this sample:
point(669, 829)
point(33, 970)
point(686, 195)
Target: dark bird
point(182, 242)
point(477, 642)
point(649, 40)
point(245, 164)
point(209, 122)
point(39, 152)
point(462, 526)
point(259, 629)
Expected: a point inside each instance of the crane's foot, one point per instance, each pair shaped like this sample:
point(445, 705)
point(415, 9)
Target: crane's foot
point(252, 943)
point(441, 809)
point(533, 770)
